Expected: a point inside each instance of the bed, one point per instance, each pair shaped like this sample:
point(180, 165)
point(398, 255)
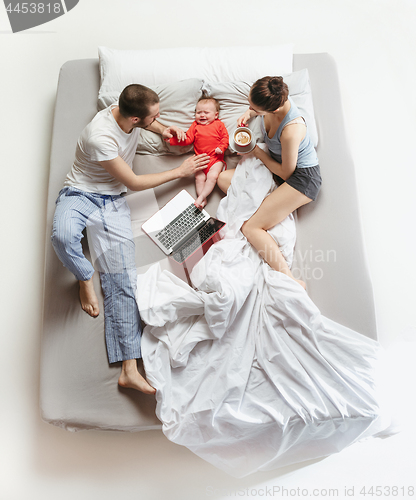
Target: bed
point(78, 388)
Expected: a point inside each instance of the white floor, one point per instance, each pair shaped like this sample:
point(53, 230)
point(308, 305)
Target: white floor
point(374, 45)
point(51, 463)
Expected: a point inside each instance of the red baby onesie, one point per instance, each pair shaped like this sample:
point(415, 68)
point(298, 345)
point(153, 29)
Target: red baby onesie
point(206, 138)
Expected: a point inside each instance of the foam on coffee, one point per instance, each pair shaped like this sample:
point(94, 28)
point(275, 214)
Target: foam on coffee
point(242, 138)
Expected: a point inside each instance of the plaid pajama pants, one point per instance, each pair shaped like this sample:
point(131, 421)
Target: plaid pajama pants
point(110, 238)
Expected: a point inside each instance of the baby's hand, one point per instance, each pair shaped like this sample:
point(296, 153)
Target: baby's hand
point(169, 132)
point(218, 151)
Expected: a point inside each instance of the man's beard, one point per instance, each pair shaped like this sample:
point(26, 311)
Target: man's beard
point(147, 126)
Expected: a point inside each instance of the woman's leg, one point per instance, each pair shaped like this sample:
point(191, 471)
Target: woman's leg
point(224, 179)
point(210, 182)
point(275, 208)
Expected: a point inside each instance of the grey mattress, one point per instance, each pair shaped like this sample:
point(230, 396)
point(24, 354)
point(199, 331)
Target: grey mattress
point(78, 387)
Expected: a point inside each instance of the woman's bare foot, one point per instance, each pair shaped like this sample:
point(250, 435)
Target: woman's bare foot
point(88, 297)
point(301, 283)
point(130, 378)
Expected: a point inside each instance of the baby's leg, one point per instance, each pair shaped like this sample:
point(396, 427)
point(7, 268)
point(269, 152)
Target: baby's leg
point(210, 182)
point(200, 178)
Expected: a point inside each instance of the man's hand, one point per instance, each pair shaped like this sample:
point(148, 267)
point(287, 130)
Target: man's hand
point(193, 164)
point(218, 151)
point(169, 132)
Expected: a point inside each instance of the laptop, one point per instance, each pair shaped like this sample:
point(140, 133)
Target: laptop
point(181, 230)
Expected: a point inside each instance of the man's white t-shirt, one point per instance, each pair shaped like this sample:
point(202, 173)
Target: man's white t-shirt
point(102, 139)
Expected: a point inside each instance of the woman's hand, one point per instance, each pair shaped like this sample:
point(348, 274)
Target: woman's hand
point(169, 132)
point(252, 152)
point(244, 119)
point(193, 164)
point(218, 151)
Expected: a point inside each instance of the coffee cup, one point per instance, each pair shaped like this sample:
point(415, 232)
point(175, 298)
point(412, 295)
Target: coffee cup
point(243, 137)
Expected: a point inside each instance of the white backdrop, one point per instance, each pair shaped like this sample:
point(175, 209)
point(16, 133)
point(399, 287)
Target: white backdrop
point(374, 45)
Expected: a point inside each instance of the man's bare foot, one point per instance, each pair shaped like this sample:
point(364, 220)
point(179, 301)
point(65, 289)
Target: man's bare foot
point(130, 378)
point(200, 202)
point(88, 297)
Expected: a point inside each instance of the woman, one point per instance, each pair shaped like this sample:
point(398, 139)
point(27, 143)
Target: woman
point(292, 159)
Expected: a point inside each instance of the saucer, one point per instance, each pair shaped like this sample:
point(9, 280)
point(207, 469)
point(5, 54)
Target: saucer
point(243, 149)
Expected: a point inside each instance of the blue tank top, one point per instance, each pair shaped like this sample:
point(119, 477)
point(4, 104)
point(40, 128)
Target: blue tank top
point(306, 155)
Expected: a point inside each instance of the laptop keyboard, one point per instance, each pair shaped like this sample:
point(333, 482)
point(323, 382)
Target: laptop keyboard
point(179, 227)
point(196, 241)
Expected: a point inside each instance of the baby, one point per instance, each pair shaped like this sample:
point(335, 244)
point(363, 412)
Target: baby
point(208, 135)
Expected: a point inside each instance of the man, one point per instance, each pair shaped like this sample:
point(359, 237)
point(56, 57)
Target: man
point(93, 196)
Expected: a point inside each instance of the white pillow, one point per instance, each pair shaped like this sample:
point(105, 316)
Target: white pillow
point(177, 107)
point(119, 68)
point(233, 99)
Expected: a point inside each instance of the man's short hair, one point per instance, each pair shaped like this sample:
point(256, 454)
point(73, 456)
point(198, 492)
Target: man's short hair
point(135, 101)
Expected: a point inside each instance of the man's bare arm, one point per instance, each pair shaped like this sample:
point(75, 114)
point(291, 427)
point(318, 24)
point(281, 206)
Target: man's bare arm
point(157, 127)
point(119, 169)
point(167, 132)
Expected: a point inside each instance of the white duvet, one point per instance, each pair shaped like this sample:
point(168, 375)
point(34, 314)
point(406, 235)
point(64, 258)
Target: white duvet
point(249, 375)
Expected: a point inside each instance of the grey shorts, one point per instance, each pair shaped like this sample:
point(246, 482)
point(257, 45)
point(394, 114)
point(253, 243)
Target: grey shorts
point(306, 180)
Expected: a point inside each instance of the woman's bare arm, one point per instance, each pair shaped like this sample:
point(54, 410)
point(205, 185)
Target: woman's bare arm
point(246, 117)
point(290, 139)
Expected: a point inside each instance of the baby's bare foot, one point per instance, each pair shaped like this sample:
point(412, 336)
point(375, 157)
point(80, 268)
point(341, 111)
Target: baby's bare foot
point(88, 297)
point(200, 202)
point(130, 378)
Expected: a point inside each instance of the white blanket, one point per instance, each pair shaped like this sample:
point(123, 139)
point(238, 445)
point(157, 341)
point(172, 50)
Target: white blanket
point(249, 375)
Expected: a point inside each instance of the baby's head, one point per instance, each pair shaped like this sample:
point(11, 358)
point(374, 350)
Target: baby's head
point(207, 110)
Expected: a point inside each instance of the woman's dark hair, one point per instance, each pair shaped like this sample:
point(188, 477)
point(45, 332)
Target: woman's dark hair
point(135, 100)
point(269, 93)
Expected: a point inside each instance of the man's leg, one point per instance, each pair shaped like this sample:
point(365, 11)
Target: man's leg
point(88, 298)
point(114, 257)
point(71, 214)
point(131, 378)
